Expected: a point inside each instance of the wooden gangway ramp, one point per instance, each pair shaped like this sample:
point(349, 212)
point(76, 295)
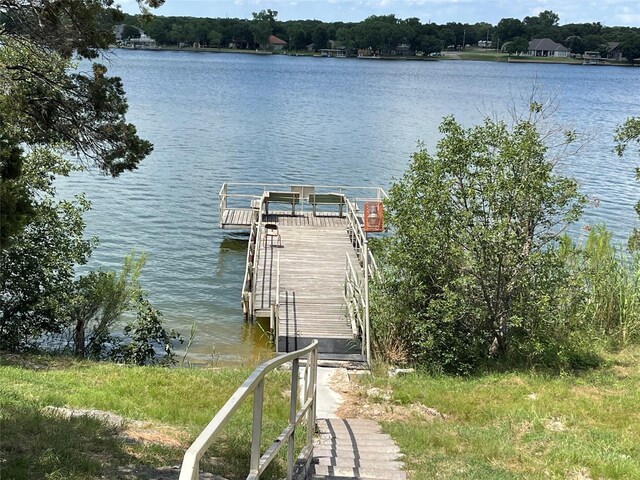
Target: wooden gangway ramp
point(312, 252)
point(307, 256)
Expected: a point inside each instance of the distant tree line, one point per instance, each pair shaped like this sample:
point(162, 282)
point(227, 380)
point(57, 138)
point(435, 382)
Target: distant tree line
point(383, 33)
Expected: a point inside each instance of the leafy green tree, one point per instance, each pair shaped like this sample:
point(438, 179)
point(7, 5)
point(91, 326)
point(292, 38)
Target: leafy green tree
point(627, 134)
point(320, 37)
point(262, 26)
point(49, 112)
point(448, 37)
point(37, 273)
point(508, 29)
point(144, 334)
point(541, 22)
point(344, 37)
point(575, 44)
point(594, 43)
point(430, 44)
point(98, 300)
point(517, 45)
point(214, 37)
point(471, 270)
point(630, 47)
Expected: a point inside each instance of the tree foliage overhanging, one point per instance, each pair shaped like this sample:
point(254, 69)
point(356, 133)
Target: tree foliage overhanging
point(50, 113)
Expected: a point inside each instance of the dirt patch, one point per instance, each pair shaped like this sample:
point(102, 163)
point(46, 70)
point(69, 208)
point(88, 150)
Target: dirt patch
point(377, 404)
point(134, 431)
point(161, 473)
point(144, 432)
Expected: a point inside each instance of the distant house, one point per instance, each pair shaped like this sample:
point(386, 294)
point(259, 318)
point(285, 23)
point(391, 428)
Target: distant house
point(143, 42)
point(614, 52)
point(593, 57)
point(405, 50)
point(276, 43)
point(545, 47)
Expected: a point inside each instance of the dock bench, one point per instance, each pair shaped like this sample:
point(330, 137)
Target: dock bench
point(338, 199)
point(290, 198)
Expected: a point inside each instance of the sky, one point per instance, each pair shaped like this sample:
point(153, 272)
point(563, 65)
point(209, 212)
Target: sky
point(607, 12)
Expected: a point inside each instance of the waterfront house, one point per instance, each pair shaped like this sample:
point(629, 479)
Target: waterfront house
point(143, 42)
point(276, 43)
point(545, 47)
point(614, 52)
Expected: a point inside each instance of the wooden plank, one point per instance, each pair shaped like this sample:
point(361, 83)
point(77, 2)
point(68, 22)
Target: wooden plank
point(312, 276)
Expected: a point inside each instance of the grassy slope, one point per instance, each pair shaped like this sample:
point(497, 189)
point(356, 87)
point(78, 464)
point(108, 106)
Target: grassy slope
point(523, 425)
point(33, 445)
point(508, 425)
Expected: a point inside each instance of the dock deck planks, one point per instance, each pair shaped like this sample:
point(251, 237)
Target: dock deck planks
point(312, 274)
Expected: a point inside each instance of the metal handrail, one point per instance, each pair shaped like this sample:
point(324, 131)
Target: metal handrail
point(355, 302)
point(255, 384)
point(258, 189)
point(248, 272)
point(256, 257)
point(275, 308)
point(357, 234)
point(222, 206)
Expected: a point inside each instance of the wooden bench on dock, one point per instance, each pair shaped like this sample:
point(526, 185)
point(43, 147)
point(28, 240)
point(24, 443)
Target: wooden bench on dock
point(338, 199)
point(290, 198)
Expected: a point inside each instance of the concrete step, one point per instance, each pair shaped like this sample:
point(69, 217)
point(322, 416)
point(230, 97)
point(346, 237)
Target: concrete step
point(376, 464)
point(373, 455)
point(362, 443)
point(355, 449)
point(357, 437)
point(360, 473)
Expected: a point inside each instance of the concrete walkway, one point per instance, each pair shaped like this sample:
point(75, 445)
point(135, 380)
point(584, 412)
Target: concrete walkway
point(353, 449)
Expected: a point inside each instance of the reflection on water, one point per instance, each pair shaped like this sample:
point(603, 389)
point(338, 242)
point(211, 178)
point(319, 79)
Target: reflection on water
point(253, 346)
point(236, 242)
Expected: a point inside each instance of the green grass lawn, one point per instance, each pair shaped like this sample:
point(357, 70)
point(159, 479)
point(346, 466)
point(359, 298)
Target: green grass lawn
point(177, 403)
point(521, 425)
point(517, 425)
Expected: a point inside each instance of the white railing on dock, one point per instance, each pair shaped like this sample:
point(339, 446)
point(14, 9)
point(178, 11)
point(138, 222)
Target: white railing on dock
point(247, 293)
point(239, 196)
point(275, 308)
point(356, 302)
point(255, 384)
point(258, 254)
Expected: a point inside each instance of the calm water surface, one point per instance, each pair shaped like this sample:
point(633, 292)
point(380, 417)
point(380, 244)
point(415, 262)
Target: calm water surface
point(224, 117)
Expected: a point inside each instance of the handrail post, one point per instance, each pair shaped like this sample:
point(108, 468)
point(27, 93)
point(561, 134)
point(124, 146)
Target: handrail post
point(366, 297)
point(276, 313)
point(256, 435)
point(255, 385)
point(295, 375)
point(311, 414)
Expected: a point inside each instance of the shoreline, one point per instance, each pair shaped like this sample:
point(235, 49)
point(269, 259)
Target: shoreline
point(447, 56)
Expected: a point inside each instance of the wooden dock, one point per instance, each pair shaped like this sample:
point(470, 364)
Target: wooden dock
point(312, 252)
point(305, 270)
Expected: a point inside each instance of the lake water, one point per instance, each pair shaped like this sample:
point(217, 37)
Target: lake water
point(246, 118)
